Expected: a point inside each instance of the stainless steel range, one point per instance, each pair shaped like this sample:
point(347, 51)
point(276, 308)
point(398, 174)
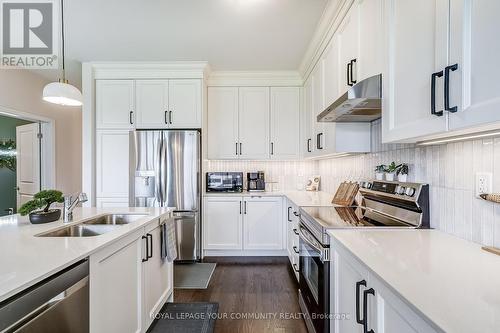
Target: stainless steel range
point(383, 204)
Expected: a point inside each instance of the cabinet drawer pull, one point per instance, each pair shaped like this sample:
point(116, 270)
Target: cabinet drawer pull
point(358, 316)
point(295, 250)
point(145, 238)
point(295, 231)
point(288, 215)
point(433, 94)
point(349, 74)
point(130, 117)
point(308, 145)
point(353, 82)
point(150, 243)
point(296, 214)
point(295, 268)
point(447, 88)
point(367, 292)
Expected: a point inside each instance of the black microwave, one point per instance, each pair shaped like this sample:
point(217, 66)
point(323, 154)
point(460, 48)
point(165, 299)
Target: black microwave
point(224, 181)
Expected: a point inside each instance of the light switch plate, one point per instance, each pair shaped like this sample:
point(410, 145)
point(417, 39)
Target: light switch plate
point(484, 181)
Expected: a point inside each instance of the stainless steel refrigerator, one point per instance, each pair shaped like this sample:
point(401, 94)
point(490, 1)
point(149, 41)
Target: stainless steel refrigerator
point(165, 172)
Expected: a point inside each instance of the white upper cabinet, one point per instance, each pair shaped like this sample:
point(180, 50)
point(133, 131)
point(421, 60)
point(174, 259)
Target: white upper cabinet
point(152, 104)
point(412, 35)
point(370, 38)
point(185, 107)
point(331, 71)
point(348, 40)
point(254, 140)
point(222, 123)
point(285, 115)
point(307, 145)
point(474, 49)
point(263, 224)
point(115, 104)
point(168, 103)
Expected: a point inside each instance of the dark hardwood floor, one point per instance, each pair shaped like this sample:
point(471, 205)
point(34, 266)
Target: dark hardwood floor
point(245, 286)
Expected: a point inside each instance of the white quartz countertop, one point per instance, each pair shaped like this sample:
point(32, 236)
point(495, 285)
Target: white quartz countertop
point(453, 282)
point(26, 259)
point(299, 198)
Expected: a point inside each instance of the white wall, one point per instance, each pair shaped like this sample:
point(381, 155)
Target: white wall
point(448, 169)
point(21, 90)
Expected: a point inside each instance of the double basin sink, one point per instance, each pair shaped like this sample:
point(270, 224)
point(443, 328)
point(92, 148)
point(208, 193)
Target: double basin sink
point(95, 226)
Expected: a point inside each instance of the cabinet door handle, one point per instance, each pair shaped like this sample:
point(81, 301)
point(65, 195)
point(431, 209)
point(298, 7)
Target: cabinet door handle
point(288, 216)
point(166, 117)
point(236, 148)
point(367, 292)
point(308, 145)
point(295, 268)
point(145, 259)
point(349, 73)
point(295, 231)
point(245, 210)
point(272, 148)
point(358, 317)
point(296, 250)
point(353, 82)
point(130, 117)
point(433, 94)
point(447, 88)
point(240, 207)
point(150, 242)
point(241, 150)
point(296, 214)
point(318, 141)
point(170, 117)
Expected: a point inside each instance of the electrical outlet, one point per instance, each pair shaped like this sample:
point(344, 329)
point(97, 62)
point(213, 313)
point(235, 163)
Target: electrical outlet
point(483, 183)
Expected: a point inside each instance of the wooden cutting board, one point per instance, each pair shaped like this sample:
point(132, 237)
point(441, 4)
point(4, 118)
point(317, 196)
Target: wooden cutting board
point(346, 194)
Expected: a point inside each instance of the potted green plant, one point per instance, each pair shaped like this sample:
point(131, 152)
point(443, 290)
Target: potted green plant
point(402, 172)
point(379, 172)
point(390, 171)
point(39, 208)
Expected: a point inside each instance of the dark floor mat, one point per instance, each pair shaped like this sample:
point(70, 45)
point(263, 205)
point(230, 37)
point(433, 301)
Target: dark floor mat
point(186, 318)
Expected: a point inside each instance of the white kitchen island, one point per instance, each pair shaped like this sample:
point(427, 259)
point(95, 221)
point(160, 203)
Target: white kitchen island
point(129, 282)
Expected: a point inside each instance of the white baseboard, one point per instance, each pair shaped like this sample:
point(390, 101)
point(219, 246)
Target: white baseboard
point(245, 253)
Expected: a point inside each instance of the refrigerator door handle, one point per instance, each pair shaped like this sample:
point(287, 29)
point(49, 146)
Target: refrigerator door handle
point(158, 173)
point(163, 172)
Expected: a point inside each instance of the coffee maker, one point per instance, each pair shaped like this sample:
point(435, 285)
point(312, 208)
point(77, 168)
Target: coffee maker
point(256, 182)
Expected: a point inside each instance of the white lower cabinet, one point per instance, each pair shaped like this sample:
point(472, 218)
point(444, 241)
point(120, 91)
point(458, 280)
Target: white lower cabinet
point(292, 231)
point(262, 223)
point(366, 303)
point(129, 282)
point(222, 223)
point(243, 223)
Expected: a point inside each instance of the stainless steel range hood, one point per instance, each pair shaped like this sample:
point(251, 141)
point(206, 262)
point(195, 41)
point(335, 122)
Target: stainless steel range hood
point(361, 103)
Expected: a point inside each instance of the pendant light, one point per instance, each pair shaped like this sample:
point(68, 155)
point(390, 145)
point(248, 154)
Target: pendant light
point(62, 92)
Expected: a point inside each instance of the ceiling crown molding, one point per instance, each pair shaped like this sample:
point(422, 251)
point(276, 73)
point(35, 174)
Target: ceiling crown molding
point(254, 78)
point(332, 17)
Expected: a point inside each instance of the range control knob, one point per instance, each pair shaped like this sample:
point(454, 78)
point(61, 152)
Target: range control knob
point(368, 185)
point(410, 191)
point(402, 190)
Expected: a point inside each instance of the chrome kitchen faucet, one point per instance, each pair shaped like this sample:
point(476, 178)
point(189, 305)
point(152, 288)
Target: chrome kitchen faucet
point(70, 204)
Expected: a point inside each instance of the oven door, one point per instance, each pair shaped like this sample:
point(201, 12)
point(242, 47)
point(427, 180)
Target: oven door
point(314, 281)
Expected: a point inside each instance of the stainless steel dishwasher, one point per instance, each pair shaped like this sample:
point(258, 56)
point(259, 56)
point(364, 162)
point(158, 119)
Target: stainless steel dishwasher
point(59, 303)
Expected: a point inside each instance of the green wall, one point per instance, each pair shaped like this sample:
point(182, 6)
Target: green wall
point(7, 177)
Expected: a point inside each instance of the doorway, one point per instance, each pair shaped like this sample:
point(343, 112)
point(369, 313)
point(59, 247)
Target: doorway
point(9, 128)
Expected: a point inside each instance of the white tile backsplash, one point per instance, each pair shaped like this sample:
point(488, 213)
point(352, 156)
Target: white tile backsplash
point(449, 170)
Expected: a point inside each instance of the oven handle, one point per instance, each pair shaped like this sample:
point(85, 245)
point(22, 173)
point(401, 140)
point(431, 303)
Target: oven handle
point(387, 215)
point(305, 235)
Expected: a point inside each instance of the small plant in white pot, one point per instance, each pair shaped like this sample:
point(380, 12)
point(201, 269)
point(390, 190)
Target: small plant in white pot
point(379, 172)
point(390, 171)
point(402, 172)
